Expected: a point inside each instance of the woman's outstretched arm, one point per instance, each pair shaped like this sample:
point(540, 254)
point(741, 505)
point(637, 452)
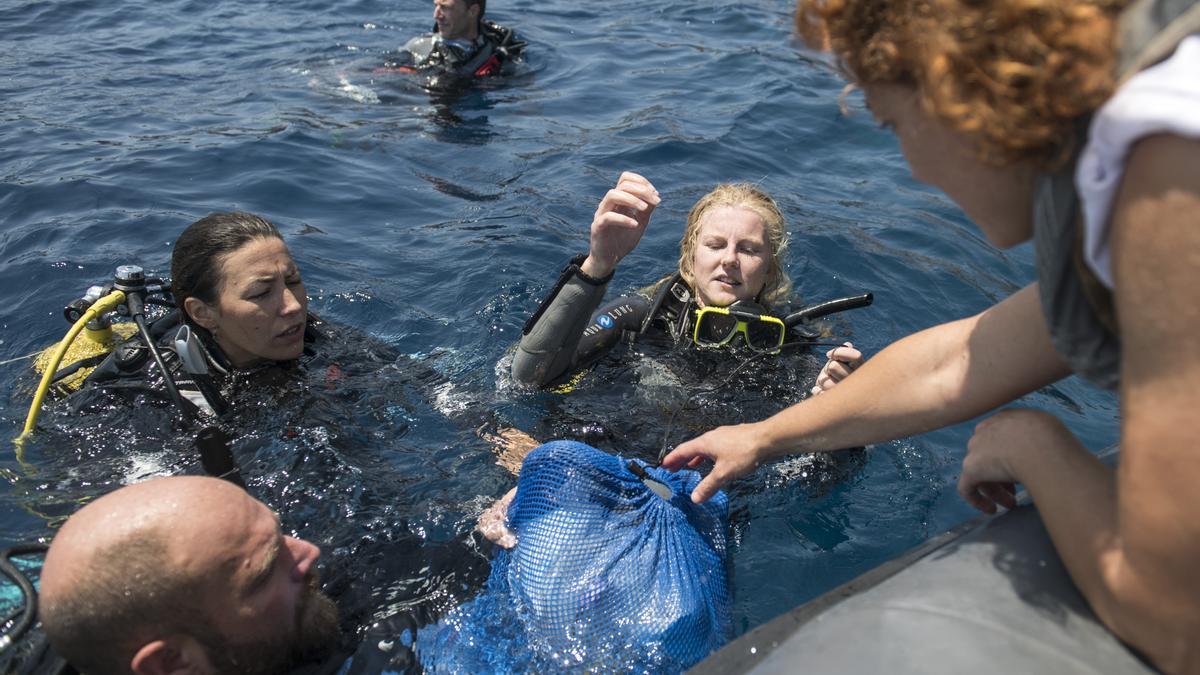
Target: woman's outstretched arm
point(939, 376)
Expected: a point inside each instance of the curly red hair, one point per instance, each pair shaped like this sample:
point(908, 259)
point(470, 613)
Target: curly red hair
point(1016, 75)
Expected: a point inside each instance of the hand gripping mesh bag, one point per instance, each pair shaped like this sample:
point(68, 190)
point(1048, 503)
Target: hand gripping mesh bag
point(607, 576)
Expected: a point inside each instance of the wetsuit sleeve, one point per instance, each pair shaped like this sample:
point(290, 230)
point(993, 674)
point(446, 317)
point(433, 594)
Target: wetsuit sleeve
point(551, 337)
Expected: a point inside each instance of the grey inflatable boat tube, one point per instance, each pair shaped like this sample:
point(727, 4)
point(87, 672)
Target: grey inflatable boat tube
point(989, 596)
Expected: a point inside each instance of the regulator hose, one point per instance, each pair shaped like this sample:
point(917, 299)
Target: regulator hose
point(28, 612)
point(101, 306)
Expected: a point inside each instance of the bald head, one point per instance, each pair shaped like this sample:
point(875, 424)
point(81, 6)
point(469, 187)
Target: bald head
point(160, 510)
point(160, 573)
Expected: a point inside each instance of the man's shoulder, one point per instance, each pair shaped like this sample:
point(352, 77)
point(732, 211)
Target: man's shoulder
point(502, 36)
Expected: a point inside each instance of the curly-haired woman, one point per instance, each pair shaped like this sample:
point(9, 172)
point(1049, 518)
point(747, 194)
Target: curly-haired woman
point(1077, 125)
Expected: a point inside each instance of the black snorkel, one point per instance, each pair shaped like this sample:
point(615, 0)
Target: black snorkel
point(821, 309)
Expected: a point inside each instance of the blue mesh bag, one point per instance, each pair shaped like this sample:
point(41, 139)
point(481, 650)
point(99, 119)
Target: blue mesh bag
point(606, 576)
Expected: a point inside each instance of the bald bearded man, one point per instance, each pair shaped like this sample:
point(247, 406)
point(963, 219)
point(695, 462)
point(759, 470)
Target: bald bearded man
point(183, 575)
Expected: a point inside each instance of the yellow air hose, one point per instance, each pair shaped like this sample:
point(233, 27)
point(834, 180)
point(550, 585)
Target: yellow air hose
point(101, 306)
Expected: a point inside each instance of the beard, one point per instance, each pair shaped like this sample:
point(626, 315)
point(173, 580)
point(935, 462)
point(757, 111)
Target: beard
point(312, 637)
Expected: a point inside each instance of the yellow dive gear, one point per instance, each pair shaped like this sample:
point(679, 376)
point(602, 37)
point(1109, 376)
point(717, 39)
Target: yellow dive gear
point(98, 308)
point(93, 343)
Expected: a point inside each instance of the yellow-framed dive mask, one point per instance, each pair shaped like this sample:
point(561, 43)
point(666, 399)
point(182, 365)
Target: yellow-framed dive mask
point(717, 326)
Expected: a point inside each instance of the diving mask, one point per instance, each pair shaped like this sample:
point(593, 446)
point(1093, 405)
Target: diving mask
point(717, 326)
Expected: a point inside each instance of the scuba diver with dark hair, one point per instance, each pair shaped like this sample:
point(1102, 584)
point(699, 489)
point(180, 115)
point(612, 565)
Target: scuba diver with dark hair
point(462, 43)
point(241, 308)
point(237, 333)
point(730, 275)
point(238, 325)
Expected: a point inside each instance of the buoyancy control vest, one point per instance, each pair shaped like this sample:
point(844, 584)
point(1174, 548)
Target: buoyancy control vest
point(494, 46)
point(1079, 310)
point(129, 364)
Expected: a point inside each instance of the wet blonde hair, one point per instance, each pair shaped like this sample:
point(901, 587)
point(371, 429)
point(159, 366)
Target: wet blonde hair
point(1015, 75)
point(751, 198)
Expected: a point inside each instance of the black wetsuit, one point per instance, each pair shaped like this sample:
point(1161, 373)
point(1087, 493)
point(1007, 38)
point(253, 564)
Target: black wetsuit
point(652, 386)
point(493, 47)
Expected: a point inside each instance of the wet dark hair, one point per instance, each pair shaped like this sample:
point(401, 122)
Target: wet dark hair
point(196, 260)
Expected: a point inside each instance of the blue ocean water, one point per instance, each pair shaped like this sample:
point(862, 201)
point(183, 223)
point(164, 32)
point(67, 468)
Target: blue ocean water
point(436, 221)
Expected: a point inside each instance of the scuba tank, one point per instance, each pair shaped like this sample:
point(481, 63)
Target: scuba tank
point(128, 295)
point(96, 341)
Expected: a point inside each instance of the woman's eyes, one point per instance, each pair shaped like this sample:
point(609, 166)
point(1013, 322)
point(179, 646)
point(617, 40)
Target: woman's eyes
point(717, 246)
point(294, 281)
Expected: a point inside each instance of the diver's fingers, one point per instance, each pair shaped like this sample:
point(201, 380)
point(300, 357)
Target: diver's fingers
point(632, 178)
point(620, 200)
point(845, 354)
point(824, 381)
point(836, 371)
point(492, 522)
point(609, 219)
point(832, 373)
point(642, 190)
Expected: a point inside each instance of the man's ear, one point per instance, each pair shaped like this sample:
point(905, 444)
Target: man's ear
point(204, 314)
point(473, 10)
point(180, 655)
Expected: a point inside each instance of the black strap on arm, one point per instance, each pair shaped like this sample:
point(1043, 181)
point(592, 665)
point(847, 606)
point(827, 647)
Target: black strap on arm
point(572, 269)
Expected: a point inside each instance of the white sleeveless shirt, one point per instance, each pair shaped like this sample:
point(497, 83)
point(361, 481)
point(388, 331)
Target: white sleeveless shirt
point(1162, 99)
